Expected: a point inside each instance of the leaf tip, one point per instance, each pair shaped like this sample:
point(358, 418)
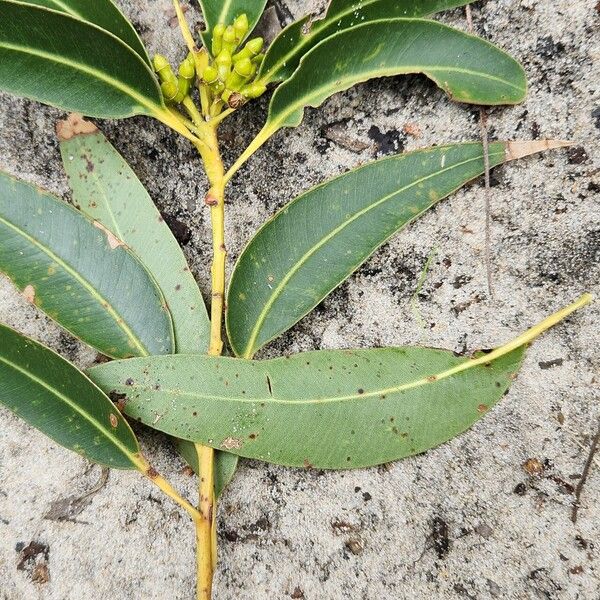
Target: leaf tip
point(72, 126)
point(520, 149)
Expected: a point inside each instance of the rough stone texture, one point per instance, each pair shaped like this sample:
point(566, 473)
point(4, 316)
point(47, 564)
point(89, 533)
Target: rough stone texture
point(465, 520)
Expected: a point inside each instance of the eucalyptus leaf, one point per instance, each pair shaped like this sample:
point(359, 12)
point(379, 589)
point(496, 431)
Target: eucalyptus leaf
point(286, 50)
point(466, 67)
point(331, 409)
point(79, 274)
point(316, 241)
point(53, 396)
point(63, 61)
point(225, 464)
point(107, 190)
point(103, 13)
point(225, 11)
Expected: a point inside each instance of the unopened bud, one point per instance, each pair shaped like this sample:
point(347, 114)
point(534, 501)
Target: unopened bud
point(223, 62)
point(242, 71)
point(241, 25)
point(253, 90)
point(217, 39)
point(163, 69)
point(169, 90)
point(230, 40)
point(187, 69)
point(210, 75)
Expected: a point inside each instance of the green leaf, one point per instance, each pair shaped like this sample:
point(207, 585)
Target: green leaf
point(225, 11)
point(60, 60)
point(79, 274)
point(56, 398)
point(286, 50)
point(466, 67)
point(225, 463)
point(327, 409)
point(107, 190)
point(102, 13)
point(316, 241)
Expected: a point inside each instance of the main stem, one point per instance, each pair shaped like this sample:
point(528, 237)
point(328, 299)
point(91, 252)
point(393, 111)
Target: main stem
point(205, 526)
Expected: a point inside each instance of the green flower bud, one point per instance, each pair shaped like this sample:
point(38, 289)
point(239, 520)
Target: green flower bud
point(169, 90)
point(250, 50)
point(210, 75)
point(253, 90)
point(217, 87)
point(183, 89)
point(242, 71)
point(217, 39)
point(163, 69)
point(230, 40)
point(240, 26)
point(187, 69)
point(257, 60)
point(223, 62)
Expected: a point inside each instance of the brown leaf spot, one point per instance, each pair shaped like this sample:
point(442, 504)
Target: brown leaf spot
point(307, 464)
point(113, 420)
point(432, 378)
point(231, 443)
point(29, 293)
point(482, 408)
point(152, 473)
point(113, 241)
point(74, 125)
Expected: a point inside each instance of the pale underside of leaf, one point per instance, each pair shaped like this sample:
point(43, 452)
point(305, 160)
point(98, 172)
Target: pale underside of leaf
point(107, 190)
point(327, 409)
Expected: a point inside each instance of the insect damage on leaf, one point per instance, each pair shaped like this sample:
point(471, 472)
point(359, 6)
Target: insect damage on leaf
point(113, 241)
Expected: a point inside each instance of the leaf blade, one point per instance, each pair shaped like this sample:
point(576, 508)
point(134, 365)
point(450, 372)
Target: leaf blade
point(104, 14)
point(54, 397)
point(284, 54)
point(324, 409)
point(85, 69)
point(79, 274)
point(107, 190)
point(329, 231)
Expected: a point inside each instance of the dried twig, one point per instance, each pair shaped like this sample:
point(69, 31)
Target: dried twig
point(585, 474)
point(486, 162)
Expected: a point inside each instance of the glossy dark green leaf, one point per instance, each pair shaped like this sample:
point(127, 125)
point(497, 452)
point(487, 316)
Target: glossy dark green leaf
point(225, 11)
point(63, 61)
point(79, 274)
point(328, 409)
point(53, 396)
point(102, 13)
point(466, 67)
point(314, 243)
point(284, 54)
point(225, 464)
point(107, 190)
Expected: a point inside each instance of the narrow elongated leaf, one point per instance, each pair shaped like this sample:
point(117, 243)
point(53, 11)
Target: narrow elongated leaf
point(103, 13)
point(107, 190)
point(79, 274)
point(466, 67)
point(314, 243)
point(225, 464)
point(54, 397)
point(284, 54)
point(63, 61)
point(225, 11)
point(327, 409)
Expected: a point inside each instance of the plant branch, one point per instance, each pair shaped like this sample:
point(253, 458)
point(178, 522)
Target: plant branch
point(585, 474)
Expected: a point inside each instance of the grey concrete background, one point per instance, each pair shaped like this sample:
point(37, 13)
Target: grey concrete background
point(485, 516)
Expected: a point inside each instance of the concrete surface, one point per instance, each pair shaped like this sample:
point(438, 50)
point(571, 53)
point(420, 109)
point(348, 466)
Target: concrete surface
point(485, 516)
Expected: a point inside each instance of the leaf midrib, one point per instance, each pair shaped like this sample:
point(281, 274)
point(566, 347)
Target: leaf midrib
point(145, 103)
point(304, 258)
point(120, 322)
point(72, 405)
point(422, 381)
